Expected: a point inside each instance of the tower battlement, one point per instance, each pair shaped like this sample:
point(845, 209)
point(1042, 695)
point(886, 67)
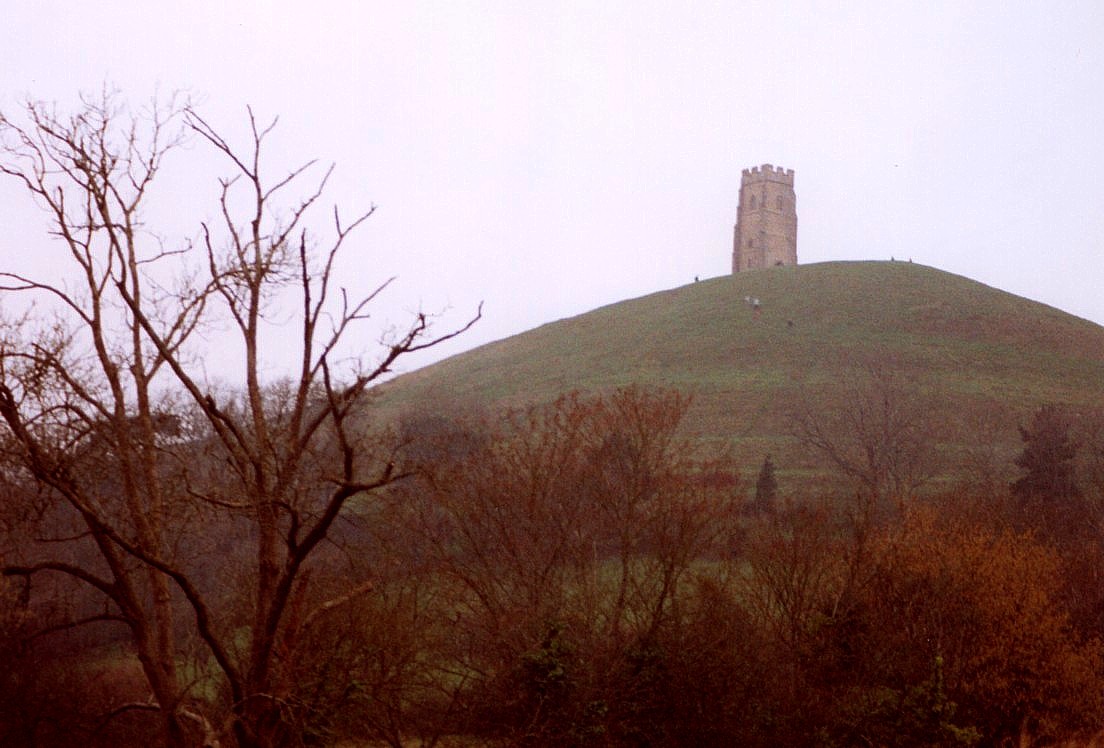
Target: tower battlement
point(765, 234)
point(768, 173)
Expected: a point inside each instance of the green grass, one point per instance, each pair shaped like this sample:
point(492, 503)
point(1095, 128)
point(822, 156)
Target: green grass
point(981, 354)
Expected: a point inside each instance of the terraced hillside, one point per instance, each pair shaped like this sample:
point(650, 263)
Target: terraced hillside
point(981, 359)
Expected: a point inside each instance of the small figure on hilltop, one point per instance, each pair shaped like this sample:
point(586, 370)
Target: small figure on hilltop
point(753, 302)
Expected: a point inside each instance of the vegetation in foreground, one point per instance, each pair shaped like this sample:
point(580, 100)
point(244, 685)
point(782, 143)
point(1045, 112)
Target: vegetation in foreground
point(191, 565)
point(576, 575)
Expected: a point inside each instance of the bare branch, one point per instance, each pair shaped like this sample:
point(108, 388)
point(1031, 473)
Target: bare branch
point(62, 568)
point(69, 625)
point(82, 398)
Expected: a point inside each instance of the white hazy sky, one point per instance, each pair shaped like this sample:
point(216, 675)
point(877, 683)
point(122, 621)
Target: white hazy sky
point(551, 157)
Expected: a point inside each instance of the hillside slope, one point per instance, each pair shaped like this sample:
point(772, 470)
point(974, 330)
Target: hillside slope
point(983, 358)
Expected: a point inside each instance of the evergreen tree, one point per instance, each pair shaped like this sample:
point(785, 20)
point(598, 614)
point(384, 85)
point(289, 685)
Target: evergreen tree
point(766, 488)
point(1047, 492)
point(1047, 459)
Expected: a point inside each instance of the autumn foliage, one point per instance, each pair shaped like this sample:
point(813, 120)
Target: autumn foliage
point(269, 565)
point(573, 574)
point(576, 574)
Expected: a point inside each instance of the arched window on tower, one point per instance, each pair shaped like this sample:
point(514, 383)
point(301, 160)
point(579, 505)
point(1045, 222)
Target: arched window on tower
point(753, 202)
point(779, 202)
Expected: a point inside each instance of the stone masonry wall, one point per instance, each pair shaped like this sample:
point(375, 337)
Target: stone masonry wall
point(766, 219)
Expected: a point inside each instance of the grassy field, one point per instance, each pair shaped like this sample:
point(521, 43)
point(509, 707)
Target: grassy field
point(984, 359)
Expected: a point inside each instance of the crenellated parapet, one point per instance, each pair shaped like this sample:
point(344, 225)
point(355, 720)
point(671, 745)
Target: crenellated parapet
point(768, 173)
point(765, 234)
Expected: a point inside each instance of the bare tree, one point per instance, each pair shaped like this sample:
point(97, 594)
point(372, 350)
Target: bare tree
point(877, 433)
point(110, 423)
point(569, 533)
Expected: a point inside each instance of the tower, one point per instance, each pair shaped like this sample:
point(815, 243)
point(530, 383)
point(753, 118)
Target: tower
point(766, 219)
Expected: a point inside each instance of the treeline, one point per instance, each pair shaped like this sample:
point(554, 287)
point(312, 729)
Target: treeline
point(576, 574)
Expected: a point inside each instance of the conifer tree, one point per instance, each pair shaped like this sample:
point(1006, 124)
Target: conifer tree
point(1047, 458)
point(766, 488)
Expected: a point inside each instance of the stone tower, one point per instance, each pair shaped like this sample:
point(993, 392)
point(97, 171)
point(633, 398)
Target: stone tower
point(766, 219)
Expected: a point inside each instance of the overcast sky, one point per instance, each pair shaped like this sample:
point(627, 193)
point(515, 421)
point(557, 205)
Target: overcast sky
point(547, 158)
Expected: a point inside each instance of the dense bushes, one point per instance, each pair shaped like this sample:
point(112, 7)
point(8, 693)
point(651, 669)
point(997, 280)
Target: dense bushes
point(575, 576)
point(966, 622)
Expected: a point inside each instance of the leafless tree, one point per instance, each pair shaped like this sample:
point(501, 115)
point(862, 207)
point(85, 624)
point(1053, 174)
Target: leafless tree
point(877, 432)
point(111, 426)
point(567, 535)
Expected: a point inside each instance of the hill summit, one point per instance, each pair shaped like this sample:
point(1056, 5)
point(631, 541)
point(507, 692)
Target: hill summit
point(752, 348)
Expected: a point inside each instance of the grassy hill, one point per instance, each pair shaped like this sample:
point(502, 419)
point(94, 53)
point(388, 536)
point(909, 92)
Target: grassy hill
point(983, 359)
